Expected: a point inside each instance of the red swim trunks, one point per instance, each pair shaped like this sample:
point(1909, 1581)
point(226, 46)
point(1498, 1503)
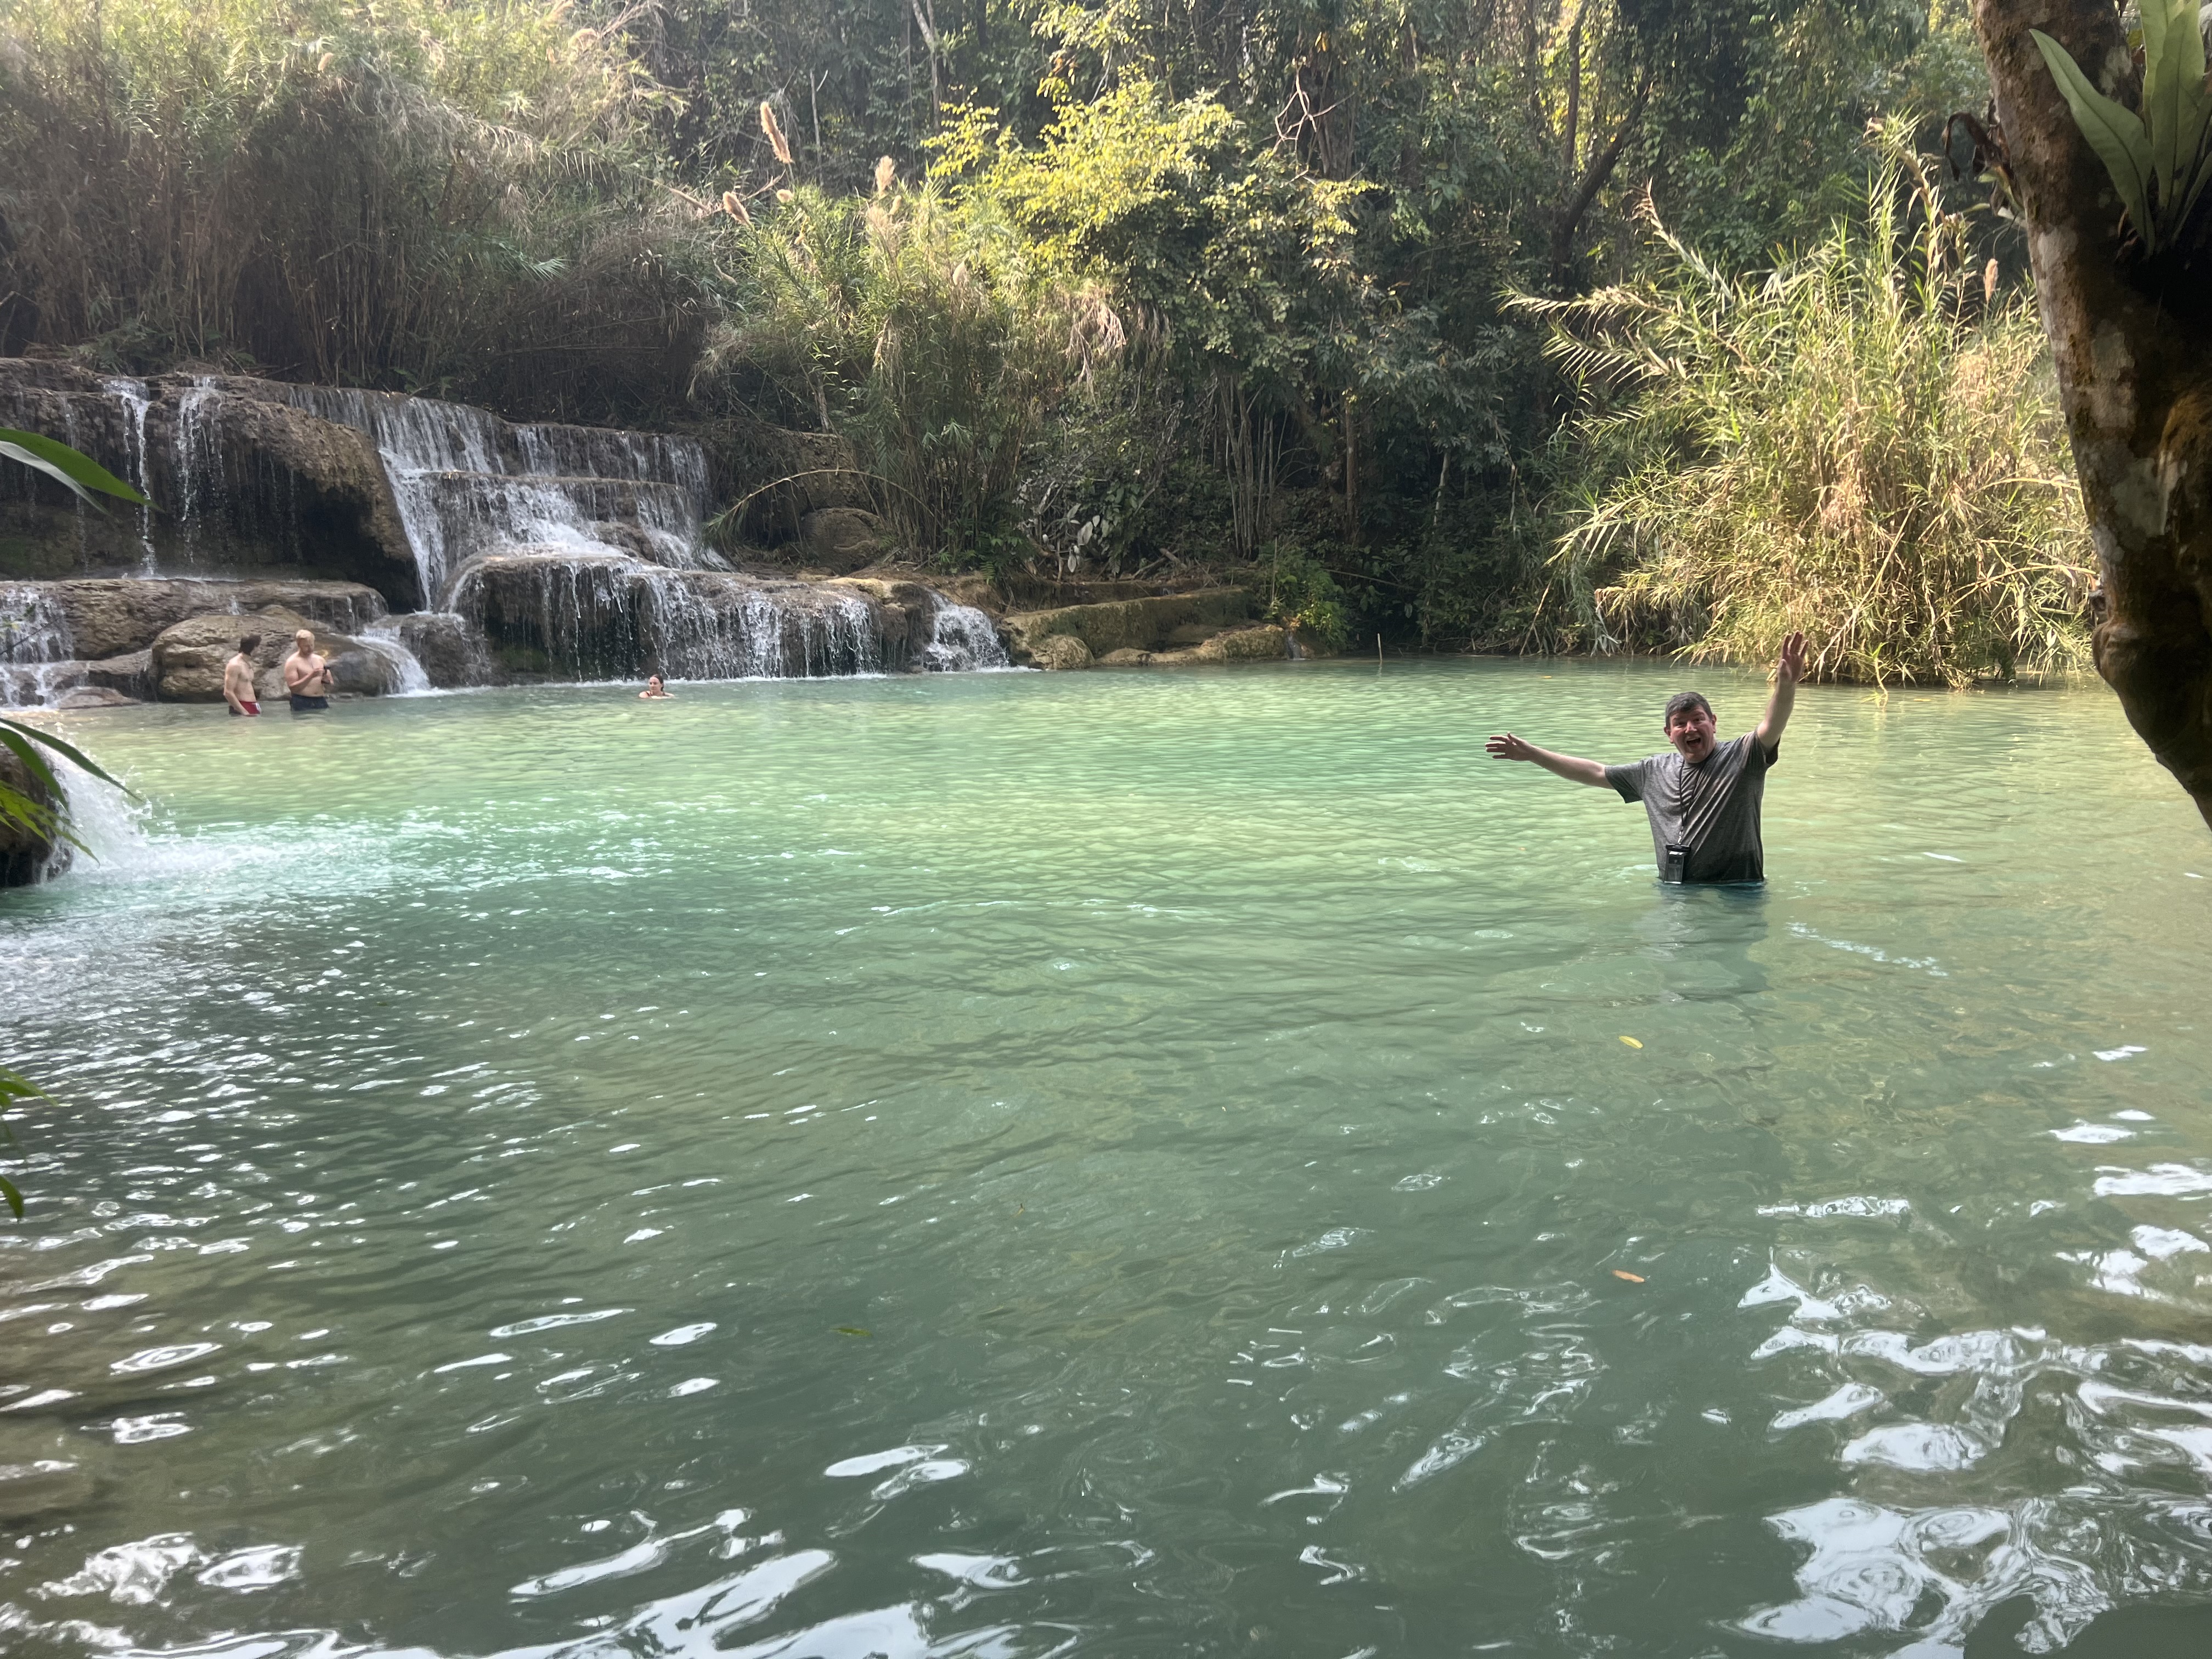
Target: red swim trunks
point(245, 707)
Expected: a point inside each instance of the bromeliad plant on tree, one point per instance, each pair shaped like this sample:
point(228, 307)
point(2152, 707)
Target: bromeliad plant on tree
point(2159, 160)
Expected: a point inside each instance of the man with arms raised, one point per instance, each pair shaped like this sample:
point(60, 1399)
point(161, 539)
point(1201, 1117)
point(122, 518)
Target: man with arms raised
point(238, 677)
point(306, 676)
point(1703, 800)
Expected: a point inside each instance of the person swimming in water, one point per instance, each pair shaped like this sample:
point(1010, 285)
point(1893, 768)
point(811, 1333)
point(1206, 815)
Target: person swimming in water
point(238, 677)
point(654, 690)
point(1703, 798)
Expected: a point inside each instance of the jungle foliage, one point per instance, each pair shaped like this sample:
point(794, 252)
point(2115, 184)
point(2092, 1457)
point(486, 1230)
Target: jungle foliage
point(1861, 444)
point(1089, 287)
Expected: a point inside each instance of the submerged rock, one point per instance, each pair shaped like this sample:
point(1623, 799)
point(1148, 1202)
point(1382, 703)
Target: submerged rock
point(94, 696)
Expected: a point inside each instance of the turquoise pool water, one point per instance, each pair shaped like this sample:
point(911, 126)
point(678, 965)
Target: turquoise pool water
point(1020, 1164)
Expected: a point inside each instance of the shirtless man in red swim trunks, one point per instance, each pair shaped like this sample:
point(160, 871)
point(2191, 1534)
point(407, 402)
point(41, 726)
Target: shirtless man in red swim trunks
point(238, 677)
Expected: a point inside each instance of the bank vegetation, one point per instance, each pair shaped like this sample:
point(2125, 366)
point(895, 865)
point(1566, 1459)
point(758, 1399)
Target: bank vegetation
point(1090, 289)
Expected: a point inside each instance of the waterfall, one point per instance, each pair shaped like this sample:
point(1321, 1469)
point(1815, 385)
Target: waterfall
point(540, 550)
point(408, 674)
point(195, 457)
point(35, 648)
point(962, 638)
point(467, 483)
point(136, 401)
point(598, 617)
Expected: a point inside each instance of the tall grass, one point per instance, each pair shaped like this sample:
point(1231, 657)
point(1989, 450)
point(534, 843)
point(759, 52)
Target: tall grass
point(420, 192)
point(1865, 444)
point(921, 332)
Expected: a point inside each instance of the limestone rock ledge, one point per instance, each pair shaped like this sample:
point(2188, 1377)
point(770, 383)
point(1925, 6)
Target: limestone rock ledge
point(114, 617)
point(1159, 623)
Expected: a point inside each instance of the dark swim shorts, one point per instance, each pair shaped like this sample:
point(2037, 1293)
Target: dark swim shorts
point(301, 705)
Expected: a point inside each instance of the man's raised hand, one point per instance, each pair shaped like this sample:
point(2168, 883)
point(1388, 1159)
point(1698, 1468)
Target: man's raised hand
point(1506, 747)
point(1790, 669)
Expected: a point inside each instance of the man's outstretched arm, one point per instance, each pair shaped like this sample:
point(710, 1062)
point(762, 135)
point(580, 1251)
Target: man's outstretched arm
point(1506, 747)
point(1788, 670)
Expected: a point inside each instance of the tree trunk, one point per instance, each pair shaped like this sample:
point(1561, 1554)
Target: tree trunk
point(1593, 180)
point(2132, 340)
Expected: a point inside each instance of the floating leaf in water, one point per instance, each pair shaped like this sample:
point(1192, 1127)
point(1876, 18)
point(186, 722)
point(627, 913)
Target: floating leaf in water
point(851, 1330)
point(1619, 1273)
point(1632, 1043)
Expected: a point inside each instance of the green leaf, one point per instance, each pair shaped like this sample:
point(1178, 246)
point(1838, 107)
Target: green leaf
point(851, 1330)
point(58, 460)
point(15, 1085)
point(2114, 131)
point(2174, 108)
point(14, 1199)
point(2160, 117)
point(68, 751)
point(32, 761)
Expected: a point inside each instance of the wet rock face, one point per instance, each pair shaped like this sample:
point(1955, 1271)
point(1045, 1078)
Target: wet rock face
point(240, 484)
point(188, 658)
point(842, 539)
point(26, 856)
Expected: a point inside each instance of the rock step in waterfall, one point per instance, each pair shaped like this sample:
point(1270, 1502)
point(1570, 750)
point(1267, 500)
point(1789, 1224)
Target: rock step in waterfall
point(436, 544)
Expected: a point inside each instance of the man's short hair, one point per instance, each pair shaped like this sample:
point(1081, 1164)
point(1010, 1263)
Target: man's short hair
point(250, 644)
point(1682, 702)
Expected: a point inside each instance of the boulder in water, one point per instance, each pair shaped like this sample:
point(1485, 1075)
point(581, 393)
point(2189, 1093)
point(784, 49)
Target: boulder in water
point(93, 696)
point(188, 657)
point(1062, 650)
point(451, 651)
point(130, 676)
point(26, 856)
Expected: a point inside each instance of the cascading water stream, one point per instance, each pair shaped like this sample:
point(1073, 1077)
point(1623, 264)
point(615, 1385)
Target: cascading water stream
point(963, 639)
point(35, 647)
point(133, 396)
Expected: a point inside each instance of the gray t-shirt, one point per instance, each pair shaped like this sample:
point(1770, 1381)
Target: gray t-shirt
point(1711, 808)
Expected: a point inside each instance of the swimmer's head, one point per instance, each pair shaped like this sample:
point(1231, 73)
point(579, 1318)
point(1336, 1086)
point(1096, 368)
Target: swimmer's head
point(652, 682)
point(305, 639)
point(1690, 724)
point(249, 645)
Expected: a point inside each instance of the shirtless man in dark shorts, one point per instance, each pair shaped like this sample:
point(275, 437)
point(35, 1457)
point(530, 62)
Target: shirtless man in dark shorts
point(306, 676)
point(238, 677)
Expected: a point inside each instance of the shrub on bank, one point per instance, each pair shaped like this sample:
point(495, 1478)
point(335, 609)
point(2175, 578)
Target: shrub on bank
point(1865, 444)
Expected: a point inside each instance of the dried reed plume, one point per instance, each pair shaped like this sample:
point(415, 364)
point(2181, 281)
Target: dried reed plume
point(775, 139)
